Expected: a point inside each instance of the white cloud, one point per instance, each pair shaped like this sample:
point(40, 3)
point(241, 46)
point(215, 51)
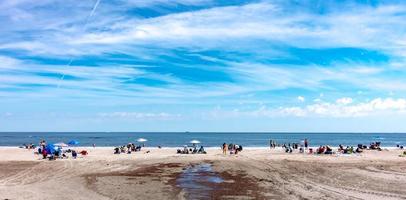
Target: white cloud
point(140, 115)
point(342, 108)
point(345, 100)
point(300, 98)
point(345, 108)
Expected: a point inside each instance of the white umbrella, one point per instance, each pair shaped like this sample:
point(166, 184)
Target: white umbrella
point(61, 144)
point(195, 142)
point(142, 140)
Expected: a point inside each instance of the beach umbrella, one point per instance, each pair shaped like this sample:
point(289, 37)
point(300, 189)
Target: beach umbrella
point(195, 142)
point(51, 148)
point(73, 142)
point(141, 140)
point(61, 144)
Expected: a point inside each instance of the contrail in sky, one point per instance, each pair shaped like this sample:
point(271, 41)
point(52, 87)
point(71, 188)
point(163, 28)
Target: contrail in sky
point(86, 22)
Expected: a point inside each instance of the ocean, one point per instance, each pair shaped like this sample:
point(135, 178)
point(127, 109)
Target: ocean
point(207, 139)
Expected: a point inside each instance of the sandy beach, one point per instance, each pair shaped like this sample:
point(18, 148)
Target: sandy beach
point(162, 174)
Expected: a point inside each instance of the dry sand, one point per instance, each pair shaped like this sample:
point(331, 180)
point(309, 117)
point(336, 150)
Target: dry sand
point(160, 174)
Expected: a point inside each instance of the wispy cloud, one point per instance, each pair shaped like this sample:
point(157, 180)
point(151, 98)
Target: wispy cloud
point(341, 108)
point(275, 57)
point(139, 115)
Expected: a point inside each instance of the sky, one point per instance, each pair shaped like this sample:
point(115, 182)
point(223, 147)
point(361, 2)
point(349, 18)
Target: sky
point(203, 65)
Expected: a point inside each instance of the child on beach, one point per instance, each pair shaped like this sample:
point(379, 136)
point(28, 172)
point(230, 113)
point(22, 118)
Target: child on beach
point(225, 147)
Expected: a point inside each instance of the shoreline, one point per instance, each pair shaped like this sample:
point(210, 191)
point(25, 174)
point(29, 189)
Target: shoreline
point(180, 147)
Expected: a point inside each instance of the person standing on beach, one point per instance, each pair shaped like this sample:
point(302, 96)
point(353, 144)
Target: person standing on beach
point(306, 144)
point(225, 147)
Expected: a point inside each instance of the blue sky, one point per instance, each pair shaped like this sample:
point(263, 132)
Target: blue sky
point(203, 65)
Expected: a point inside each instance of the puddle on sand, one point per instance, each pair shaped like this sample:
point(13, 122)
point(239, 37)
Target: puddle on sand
point(198, 181)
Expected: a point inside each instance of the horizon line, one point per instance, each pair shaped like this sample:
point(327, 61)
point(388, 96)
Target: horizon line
point(288, 132)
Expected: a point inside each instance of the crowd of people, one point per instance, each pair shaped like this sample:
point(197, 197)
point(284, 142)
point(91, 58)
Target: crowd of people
point(28, 146)
point(51, 152)
point(304, 147)
point(130, 147)
point(232, 148)
point(191, 150)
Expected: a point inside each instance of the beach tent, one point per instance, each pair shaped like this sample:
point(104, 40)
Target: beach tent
point(61, 144)
point(73, 142)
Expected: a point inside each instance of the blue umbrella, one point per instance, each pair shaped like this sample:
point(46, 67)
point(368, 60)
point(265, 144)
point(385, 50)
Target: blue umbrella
point(73, 142)
point(51, 148)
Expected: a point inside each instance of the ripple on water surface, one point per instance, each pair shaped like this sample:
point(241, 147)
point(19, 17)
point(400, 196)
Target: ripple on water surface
point(198, 181)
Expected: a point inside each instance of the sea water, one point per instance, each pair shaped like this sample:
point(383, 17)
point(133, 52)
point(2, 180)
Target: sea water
point(211, 139)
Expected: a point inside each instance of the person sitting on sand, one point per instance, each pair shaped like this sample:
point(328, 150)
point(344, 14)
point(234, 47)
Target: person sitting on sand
point(375, 146)
point(74, 154)
point(358, 150)
point(341, 148)
point(56, 154)
point(320, 150)
point(194, 149)
point(346, 150)
point(116, 150)
point(288, 149)
point(236, 147)
point(329, 150)
point(201, 150)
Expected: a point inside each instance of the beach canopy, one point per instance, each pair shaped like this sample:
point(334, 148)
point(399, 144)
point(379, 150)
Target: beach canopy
point(73, 142)
point(195, 142)
point(141, 140)
point(61, 144)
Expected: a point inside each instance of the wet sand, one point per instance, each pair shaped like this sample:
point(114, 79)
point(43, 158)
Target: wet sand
point(163, 174)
